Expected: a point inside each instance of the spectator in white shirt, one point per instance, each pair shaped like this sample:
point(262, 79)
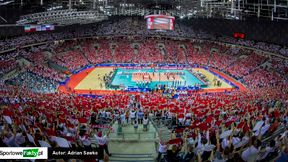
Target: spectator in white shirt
point(9, 139)
point(224, 143)
point(108, 114)
point(20, 139)
point(235, 140)
point(263, 129)
point(162, 150)
point(145, 123)
point(102, 142)
point(132, 116)
point(251, 152)
point(85, 140)
point(122, 116)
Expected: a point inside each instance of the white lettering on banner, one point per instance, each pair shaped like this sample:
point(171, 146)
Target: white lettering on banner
point(23, 153)
point(182, 92)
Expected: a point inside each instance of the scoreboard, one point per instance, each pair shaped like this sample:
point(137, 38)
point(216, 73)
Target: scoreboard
point(239, 35)
point(160, 22)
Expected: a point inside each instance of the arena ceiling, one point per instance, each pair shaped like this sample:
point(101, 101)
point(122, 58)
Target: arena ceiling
point(67, 12)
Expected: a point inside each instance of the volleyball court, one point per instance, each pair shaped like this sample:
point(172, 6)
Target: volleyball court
point(156, 77)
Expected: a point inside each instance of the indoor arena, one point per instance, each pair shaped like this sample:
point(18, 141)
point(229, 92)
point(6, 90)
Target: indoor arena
point(143, 81)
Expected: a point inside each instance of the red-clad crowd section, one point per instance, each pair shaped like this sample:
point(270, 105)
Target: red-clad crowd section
point(238, 118)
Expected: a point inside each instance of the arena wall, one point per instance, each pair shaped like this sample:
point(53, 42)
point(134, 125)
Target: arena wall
point(265, 31)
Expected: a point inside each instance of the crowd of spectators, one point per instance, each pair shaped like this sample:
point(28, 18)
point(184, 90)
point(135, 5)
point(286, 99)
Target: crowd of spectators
point(279, 65)
point(105, 51)
point(263, 78)
point(47, 72)
point(198, 54)
point(39, 63)
point(148, 52)
point(224, 125)
point(130, 26)
point(71, 59)
point(14, 43)
point(90, 51)
point(245, 65)
point(258, 45)
point(173, 52)
point(225, 57)
point(229, 126)
point(136, 26)
point(55, 120)
point(8, 62)
point(34, 83)
point(236, 61)
point(124, 52)
point(207, 127)
point(7, 65)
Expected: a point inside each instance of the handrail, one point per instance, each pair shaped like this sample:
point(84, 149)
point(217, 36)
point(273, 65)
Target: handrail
point(275, 134)
point(140, 135)
point(153, 123)
point(158, 130)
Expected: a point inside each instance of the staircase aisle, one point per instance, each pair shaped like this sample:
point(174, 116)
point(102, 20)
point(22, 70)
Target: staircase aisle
point(131, 145)
point(130, 151)
point(131, 158)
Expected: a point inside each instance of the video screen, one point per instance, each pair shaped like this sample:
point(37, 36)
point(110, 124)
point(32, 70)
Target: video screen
point(160, 22)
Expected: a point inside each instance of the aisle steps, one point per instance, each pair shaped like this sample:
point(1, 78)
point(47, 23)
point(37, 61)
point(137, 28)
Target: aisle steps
point(116, 157)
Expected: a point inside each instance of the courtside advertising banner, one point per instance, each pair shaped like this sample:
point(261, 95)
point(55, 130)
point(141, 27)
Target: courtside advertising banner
point(23, 153)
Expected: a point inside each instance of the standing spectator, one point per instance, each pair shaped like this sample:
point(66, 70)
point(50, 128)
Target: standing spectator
point(269, 151)
point(251, 151)
point(172, 153)
point(85, 140)
point(102, 142)
point(20, 139)
point(135, 125)
point(140, 117)
point(93, 119)
point(145, 123)
point(132, 116)
point(162, 150)
point(127, 117)
point(122, 116)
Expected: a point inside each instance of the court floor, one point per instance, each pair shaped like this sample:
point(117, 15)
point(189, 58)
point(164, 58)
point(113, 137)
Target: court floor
point(171, 78)
point(211, 78)
point(155, 77)
point(94, 80)
point(90, 81)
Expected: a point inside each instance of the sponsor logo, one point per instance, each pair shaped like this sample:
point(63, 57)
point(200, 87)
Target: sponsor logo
point(32, 153)
point(23, 153)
